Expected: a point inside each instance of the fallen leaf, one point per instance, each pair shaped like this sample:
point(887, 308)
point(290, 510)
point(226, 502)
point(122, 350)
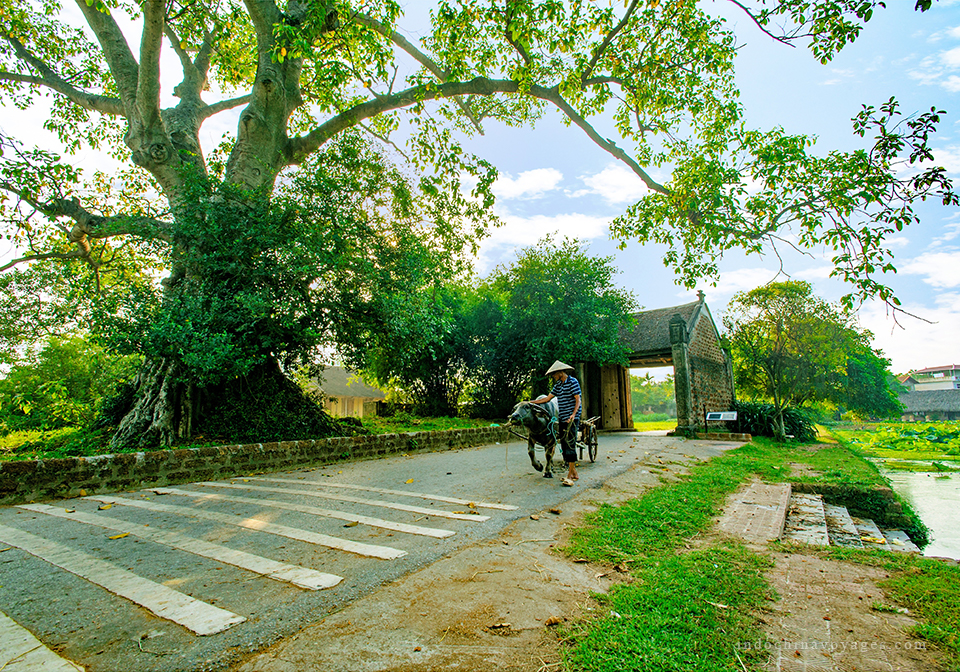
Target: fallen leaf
point(500, 625)
point(104, 507)
point(534, 517)
point(417, 648)
point(556, 511)
point(8, 548)
point(352, 523)
point(580, 560)
point(553, 620)
point(472, 505)
point(83, 493)
point(119, 536)
point(409, 480)
point(70, 510)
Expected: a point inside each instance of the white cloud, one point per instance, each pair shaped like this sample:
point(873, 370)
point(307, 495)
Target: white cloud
point(916, 344)
point(526, 231)
point(951, 57)
point(741, 279)
point(529, 184)
point(615, 183)
point(940, 269)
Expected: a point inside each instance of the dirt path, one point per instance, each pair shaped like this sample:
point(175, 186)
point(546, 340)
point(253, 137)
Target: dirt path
point(825, 620)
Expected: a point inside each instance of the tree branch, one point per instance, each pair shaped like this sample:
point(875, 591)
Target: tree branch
point(123, 66)
point(607, 40)
point(424, 60)
point(779, 38)
point(553, 95)
point(298, 148)
point(148, 84)
point(222, 105)
point(49, 78)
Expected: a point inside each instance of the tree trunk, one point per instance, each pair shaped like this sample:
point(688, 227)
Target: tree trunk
point(262, 406)
point(161, 411)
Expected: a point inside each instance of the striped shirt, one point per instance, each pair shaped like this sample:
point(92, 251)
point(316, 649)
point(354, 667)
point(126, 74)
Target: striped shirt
point(565, 391)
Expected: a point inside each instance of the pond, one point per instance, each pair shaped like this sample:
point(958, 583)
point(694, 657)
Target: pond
point(936, 499)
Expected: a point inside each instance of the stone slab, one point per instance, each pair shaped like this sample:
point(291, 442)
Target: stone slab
point(806, 521)
point(756, 512)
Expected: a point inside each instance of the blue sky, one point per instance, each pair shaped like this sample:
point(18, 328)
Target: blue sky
point(555, 180)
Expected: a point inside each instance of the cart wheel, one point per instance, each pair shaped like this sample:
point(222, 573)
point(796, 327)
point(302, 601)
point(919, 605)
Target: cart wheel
point(592, 443)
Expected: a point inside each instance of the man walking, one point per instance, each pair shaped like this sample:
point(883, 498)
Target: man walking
point(566, 390)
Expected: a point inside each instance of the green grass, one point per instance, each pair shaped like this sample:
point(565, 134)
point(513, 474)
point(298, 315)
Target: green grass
point(655, 425)
point(75, 442)
point(684, 612)
point(693, 610)
point(907, 440)
point(404, 422)
point(52, 444)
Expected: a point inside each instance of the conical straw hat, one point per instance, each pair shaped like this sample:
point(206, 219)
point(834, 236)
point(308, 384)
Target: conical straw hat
point(557, 367)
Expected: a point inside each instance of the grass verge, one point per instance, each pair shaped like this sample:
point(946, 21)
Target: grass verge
point(689, 610)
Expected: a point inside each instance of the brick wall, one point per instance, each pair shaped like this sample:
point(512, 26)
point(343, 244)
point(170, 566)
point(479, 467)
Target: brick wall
point(35, 480)
point(711, 386)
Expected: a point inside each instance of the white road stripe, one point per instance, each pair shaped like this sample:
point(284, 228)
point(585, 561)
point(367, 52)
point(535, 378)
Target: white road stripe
point(406, 493)
point(314, 511)
point(200, 617)
point(303, 577)
point(20, 651)
point(354, 500)
point(370, 550)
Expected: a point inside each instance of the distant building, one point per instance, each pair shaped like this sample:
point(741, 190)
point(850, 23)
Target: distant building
point(930, 405)
point(345, 394)
point(933, 378)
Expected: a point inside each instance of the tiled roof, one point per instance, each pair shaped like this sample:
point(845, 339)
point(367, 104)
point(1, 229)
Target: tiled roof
point(930, 400)
point(652, 331)
point(937, 369)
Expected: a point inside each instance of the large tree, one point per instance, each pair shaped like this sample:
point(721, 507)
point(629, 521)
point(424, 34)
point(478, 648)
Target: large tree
point(791, 347)
point(301, 74)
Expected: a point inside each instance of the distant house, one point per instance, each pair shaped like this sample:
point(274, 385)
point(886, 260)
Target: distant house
point(929, 405)
point(933, 378)
point(345, 394)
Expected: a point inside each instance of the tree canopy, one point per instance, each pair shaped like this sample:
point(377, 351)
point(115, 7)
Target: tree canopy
point(793, 348)
point(300, 75)
point(486, 342)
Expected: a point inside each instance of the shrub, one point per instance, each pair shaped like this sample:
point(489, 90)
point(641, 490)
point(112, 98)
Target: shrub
point(759, 419)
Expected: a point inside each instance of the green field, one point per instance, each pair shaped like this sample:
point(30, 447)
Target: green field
point(933, 447)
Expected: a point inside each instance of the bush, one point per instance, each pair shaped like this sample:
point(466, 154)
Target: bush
point(759, 419)
point(652, 417)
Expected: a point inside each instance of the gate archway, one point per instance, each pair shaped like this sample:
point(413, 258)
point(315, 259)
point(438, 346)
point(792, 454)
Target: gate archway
point(684, 337)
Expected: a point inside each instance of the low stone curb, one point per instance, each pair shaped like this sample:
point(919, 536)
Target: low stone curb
point(34, 480)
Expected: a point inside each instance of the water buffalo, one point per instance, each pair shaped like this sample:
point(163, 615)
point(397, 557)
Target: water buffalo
point(541, 423)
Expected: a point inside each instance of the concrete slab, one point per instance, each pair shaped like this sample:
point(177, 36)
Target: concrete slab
point(806, 521)
point(870, 534)
point(756, 512)
point(841, 528)
point(900, 542)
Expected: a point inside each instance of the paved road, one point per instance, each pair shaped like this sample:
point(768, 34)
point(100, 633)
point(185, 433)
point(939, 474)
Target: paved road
point(194, 577)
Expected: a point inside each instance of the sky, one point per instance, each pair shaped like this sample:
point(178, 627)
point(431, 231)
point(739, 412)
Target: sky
point(554, 180)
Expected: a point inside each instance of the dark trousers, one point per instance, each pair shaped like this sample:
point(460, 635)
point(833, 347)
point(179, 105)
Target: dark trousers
point(568, 439)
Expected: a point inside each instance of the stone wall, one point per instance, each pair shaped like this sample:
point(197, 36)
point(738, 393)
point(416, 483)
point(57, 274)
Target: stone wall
point(712, 385)
point(34, 480)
